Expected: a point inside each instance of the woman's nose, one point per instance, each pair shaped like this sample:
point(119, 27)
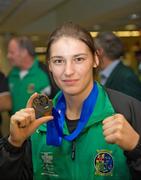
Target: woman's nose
point(69, 68)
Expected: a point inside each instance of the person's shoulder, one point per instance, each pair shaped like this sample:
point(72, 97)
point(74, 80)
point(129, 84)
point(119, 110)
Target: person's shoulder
point(127, 69)
point(124, 104)
point(43, 67)
point(2, 75)
point(121, 70)
point(121, 97)
point(3, 78)
point(13, 71)
point(127, 73)
point(42, 72)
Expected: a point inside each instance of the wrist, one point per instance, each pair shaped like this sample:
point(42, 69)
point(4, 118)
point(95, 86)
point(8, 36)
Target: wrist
point(135, 142)
point(138, 145)
point(136, 152)
point(14, 143)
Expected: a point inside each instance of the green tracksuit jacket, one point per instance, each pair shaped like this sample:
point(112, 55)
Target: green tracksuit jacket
point(36, 80)
point(94, 158)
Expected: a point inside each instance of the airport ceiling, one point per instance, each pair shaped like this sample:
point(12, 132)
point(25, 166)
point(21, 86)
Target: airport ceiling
point(39, 17)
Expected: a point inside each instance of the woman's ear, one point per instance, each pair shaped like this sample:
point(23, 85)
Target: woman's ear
point(96, 60)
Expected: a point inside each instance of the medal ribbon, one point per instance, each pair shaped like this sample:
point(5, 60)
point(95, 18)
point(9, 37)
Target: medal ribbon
point(55, 126)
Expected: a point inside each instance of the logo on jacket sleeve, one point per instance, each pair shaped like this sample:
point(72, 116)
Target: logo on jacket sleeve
point(31, 88)
point(103, 163)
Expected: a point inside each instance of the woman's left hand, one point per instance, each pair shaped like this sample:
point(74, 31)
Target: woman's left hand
point(117, 130)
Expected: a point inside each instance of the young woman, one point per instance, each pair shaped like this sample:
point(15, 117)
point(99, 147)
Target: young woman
point(86, 137)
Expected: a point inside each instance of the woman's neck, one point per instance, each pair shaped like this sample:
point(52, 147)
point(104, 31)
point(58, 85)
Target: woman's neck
point(73, 108)
point(74, 104)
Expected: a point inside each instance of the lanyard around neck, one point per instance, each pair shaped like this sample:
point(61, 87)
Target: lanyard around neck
point(55, 127)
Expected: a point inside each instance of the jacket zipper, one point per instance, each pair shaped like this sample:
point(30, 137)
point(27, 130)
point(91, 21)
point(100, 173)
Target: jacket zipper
point(73, 150)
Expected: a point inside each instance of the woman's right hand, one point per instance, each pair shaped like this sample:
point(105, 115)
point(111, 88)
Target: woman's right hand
point(23, 123)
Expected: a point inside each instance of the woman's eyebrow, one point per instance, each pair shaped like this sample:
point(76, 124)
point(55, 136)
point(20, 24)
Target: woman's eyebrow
point(80, 54)
point(53, 57)
point(76, 55)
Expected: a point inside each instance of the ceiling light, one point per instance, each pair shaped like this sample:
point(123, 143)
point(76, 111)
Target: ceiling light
point(40, 49)
point(122, 33)
point(93, 34)
point(134, 16)
point(127, 33)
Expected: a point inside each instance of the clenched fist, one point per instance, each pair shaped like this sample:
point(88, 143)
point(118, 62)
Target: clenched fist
point(117, 130)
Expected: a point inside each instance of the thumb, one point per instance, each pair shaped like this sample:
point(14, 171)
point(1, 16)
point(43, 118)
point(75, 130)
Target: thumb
point(30, 101)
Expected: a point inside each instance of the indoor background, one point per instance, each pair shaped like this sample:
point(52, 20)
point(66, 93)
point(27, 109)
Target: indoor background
point(37, 18)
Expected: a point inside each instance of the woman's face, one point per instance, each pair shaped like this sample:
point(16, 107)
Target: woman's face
point(71, 63)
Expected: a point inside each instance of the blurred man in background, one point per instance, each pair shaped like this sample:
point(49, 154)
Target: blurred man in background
point(28, 74)
point(5, 99)
point(114, 73)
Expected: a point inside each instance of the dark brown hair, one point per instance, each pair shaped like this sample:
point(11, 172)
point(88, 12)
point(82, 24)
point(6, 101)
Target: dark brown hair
point(74, 31)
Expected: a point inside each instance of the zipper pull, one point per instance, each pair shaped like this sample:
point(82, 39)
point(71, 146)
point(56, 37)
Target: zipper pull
point(73, 150)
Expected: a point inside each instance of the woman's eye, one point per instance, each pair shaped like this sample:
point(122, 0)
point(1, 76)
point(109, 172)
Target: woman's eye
point(79, 60)
point(58, 61)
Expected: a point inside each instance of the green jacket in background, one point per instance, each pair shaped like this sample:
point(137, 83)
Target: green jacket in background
point(36, 80)
point(94, 158)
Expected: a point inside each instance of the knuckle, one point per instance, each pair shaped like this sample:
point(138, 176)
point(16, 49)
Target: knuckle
point(119, 127)
point(120, 116)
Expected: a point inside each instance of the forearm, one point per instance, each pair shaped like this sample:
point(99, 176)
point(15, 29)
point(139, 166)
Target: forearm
point(16, 160)
point(134, 161)
point(134, 156)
